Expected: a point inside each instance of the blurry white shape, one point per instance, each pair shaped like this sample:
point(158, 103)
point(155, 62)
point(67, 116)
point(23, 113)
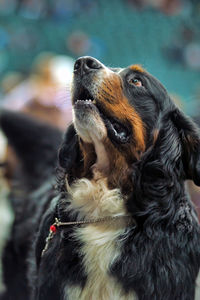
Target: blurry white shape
point(18, 96)
point(56, 91)
point(62, 69)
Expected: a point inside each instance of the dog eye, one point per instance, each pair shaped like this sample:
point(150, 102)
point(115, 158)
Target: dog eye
point(135, 81)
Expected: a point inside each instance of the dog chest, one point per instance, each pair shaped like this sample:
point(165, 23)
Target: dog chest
point(101, 246)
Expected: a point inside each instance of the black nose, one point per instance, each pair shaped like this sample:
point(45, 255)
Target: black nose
point(86, 64)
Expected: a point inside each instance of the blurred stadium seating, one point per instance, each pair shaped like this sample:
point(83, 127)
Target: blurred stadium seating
point(163, 36)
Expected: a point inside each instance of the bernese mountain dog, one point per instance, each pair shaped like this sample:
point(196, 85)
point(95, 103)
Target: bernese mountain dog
point(114, 221)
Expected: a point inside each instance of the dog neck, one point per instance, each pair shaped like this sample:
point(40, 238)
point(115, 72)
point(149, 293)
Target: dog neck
point(93, 199)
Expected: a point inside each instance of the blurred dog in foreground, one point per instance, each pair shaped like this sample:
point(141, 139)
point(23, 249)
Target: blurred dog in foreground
point(119, 223)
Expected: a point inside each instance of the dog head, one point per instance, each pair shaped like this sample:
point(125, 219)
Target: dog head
point(119, 116)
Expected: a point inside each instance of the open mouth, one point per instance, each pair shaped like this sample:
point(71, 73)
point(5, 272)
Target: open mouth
point(117, 131)
point(83, 94)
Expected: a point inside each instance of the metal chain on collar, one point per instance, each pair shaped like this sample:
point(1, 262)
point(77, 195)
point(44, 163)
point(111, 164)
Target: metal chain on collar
point(53, 228)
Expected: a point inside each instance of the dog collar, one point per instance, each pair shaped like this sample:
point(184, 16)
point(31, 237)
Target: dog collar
point(53, 228)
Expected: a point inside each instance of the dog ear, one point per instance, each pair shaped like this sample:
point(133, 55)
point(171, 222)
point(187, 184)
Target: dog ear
point(190, 139)
point(69, 155)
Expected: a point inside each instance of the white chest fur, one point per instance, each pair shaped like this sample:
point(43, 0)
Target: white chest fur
point(101, 242)
point(101, 246)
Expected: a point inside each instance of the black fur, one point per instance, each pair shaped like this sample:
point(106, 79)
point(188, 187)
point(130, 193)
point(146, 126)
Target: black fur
point(32, 141)
point(166, 248)
point(32, 184)
point(160, 257)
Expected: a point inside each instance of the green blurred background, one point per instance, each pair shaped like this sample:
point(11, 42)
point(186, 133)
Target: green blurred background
point(162, 35)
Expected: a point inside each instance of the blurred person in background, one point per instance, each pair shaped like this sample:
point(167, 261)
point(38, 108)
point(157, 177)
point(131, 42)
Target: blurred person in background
point(45, 94)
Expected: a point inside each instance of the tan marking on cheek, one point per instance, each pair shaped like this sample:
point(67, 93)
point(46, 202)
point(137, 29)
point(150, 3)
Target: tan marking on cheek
point(111, 90)
point(117, 105)
point(137, 68)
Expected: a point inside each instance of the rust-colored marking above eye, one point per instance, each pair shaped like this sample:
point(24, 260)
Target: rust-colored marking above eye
point(137, 68)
